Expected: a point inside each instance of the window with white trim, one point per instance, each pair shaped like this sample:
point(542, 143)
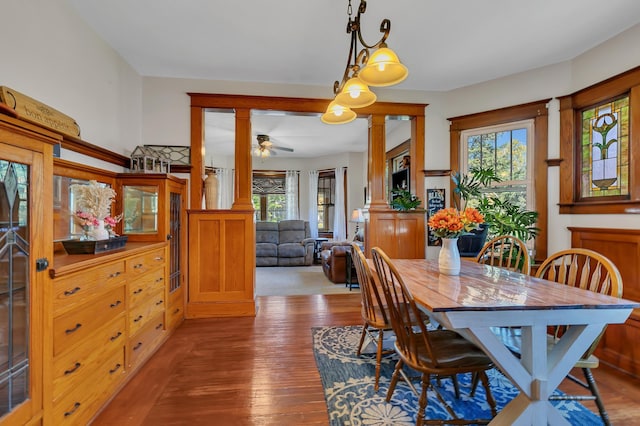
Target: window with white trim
point(507, 148)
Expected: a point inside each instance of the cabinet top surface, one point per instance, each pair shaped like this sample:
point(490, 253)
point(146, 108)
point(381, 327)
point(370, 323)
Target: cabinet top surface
point(64, 264)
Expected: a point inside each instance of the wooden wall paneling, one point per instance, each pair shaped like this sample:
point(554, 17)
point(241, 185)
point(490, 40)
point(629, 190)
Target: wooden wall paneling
point(620, 345)
point(222, 263)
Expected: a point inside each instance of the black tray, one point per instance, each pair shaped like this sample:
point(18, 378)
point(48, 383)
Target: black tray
point(93, 247)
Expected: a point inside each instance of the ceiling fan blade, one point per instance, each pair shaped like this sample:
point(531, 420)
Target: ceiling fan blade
point(282, 148)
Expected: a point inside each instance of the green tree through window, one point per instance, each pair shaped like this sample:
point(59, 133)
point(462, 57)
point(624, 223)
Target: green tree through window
point(506, 149)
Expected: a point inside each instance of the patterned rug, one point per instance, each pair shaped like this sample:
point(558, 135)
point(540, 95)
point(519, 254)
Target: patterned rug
point(348, 383)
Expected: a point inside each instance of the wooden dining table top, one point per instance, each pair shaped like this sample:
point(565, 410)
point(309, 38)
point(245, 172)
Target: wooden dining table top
point(487, 288)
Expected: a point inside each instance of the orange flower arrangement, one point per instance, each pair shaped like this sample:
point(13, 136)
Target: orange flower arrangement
point(451, 223)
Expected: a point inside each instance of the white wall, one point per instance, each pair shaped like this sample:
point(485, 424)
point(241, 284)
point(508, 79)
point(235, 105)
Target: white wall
point(51, 55)
point(610, 58)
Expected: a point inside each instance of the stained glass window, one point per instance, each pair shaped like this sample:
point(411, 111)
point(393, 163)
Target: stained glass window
point(605, 150)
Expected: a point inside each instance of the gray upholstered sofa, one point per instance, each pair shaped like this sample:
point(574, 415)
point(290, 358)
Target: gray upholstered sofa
point(284, 243)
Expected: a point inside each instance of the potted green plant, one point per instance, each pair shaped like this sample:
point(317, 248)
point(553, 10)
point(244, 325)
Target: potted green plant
point(502, 216)
point(404, 200)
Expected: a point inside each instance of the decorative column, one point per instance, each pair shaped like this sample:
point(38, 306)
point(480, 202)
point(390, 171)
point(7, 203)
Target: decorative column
point(242, 193)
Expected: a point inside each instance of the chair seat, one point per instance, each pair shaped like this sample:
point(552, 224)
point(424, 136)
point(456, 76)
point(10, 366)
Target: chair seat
point(453, 352)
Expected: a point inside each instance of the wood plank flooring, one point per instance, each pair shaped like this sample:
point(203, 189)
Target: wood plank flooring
point(261, 371)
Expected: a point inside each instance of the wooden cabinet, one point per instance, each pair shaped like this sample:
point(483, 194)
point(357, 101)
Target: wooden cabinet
point(107, 319)
point(26, 205)
point(154, 209)
point(145, 304)
point(400, 234)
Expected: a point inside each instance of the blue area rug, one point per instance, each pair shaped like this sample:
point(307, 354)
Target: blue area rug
point(348, 382)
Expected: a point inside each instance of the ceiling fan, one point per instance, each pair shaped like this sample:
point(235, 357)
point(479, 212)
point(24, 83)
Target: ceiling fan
point(266, 148)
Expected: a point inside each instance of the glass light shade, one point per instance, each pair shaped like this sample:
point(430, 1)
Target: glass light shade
point(337, 114)
point(355, 94)
point(383, 69)
point(261, 153)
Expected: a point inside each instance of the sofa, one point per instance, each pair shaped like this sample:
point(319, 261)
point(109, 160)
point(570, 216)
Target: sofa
point(333, 257)
point(284, 243)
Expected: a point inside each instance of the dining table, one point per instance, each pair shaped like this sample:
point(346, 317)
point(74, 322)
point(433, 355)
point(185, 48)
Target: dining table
point(482, 298)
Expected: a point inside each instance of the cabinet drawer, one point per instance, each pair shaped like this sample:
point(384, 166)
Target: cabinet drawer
point(72, 367)
point(142, 264)
point(146, 341)
point(175, 309)
point(140, 288)
point(174, 316)
point(82, 401)
point(74, 290)
point(147, 309)
point(75, 326)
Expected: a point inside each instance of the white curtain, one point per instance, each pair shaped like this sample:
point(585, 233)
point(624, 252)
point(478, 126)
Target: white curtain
point(225, 188)
point(291, 194)
point(313, 203)
point(339, 224)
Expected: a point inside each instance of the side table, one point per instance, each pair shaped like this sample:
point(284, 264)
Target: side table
point(317, 246)
point(350, 271)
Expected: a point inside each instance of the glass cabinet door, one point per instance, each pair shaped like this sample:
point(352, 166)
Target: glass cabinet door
point(140, 212)
point(14, 285)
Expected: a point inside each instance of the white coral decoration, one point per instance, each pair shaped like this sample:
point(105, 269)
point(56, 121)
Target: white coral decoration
point(94, 198)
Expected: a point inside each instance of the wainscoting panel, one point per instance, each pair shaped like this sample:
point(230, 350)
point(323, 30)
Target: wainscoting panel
point(400, 234)
point(620, 345)
point(221, 263)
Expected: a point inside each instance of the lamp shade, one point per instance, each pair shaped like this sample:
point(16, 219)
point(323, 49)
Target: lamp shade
point(355, 94)
point(357, 216)
point(337, 114)
point(383, 69)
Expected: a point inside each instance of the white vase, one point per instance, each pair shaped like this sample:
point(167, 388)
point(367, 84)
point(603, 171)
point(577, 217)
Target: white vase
point(449, 257)
point(99, 232)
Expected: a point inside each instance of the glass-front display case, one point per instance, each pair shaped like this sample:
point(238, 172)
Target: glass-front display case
point(140, 209)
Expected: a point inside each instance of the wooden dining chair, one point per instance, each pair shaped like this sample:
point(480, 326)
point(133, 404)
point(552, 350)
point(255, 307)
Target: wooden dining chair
point(432, 353)
point(506, 251)
point(374, 310)
point(592, 271)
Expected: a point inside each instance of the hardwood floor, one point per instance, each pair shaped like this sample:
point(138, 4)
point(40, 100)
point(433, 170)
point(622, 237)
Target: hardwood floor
point(261, 371)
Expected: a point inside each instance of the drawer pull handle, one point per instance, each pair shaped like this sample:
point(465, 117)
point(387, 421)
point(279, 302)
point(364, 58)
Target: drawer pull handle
point(138, 318)
point(112, 338)
point(114, 369)
point(114, 304)
point(71, 330)
point(72, 370)
point(159, 326)
point(159, 279)
point(73, 410)
point(138, 266)
point(159, 302)
point(137, 346)
point(70, 292)
point(158, 258)
point(114, 275)
point(176, 311)
point(138, 291)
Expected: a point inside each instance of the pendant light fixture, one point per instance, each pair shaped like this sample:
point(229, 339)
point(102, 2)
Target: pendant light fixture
point(382, 68)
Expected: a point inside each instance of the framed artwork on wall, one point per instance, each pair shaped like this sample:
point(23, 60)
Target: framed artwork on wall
point(435, 201)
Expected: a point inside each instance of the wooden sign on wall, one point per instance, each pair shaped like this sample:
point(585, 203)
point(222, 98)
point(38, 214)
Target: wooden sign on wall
point(36, 112)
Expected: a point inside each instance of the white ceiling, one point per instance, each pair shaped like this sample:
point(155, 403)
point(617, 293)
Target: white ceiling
point(445, 44)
